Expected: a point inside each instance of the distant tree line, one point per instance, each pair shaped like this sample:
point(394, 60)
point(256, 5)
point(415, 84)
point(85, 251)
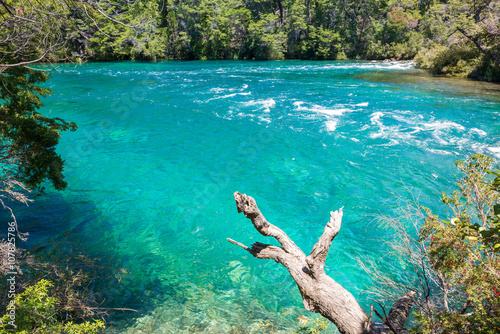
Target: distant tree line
point(450, 37)
point(457, 37)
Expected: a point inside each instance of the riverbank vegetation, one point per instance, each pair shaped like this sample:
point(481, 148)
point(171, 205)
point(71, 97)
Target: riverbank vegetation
point(452, 262)
point(448, 37)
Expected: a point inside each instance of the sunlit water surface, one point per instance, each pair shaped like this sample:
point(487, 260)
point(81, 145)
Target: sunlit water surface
point(161, 147)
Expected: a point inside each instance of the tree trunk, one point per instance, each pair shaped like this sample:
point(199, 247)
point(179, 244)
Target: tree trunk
point(320, 293)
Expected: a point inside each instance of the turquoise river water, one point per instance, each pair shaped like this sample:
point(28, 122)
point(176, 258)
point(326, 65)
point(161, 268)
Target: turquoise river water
point(162, 147)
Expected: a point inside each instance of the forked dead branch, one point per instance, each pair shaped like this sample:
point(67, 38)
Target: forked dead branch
point(320, 293)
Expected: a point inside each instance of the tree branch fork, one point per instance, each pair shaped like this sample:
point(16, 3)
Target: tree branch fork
point(320, 293)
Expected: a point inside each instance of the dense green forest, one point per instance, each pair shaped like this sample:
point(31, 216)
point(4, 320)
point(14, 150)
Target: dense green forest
point(451, 37)
point(456, 37)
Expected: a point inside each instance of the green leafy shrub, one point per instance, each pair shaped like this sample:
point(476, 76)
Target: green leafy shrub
point(451, 264)
point(36, 312)
point(488, 67)
point(425, 58)
point(458, 59)
point(464, 252)
point(407, 49)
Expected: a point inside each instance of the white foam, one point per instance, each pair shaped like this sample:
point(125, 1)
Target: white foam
point(395, 65)
point(218, 90)
point(442, 137)
point(375, 119)
point(478, 131)
point(331, 125)
point(319, 109)
point(376, 135)
point(264, 119)
point(264, 104)
point(391, 142)
point(440, 140)
point(436, 151)
point(364, 104)
point(393, 132)
point(441, 129)
point(410, 120)
point(444, 126)
point(356, 140)
point(228, 96)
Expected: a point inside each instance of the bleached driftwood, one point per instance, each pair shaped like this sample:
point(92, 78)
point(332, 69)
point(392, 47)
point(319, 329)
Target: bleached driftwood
point(320, 293)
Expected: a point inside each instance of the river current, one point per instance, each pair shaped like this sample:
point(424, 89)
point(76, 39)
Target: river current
point(162, 147)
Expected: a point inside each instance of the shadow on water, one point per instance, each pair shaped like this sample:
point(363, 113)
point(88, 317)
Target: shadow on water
point(66, 225)
point(58, 230)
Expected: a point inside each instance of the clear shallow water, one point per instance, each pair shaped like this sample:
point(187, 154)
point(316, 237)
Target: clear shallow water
point(161, 147)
